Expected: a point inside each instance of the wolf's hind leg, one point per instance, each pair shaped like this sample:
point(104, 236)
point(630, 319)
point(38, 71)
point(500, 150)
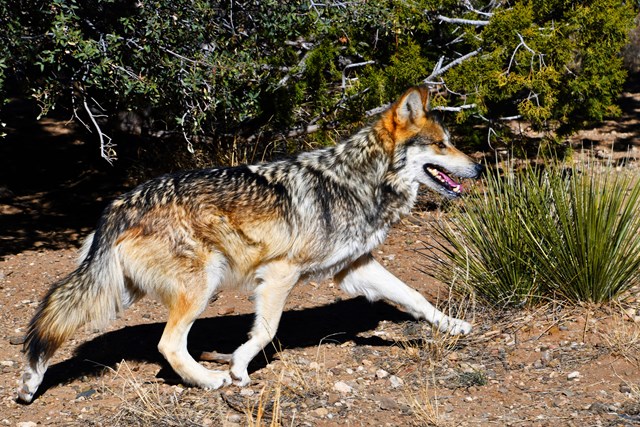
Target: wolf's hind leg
point(184, 309)
point(186, 298)
point(277, 280)
point(367, 277)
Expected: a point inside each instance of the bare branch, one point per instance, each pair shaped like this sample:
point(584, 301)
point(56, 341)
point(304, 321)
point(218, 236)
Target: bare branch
point(455, 109)
point(357, 64)
point(106, 146)
point(475, 22)
point(439, 69)
point(533, 55)
point(470, 7)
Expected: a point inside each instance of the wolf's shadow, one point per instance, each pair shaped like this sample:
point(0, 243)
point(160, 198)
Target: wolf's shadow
point(336, 322)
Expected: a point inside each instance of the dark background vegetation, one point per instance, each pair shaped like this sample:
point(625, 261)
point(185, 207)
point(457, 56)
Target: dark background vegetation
point(98, 95)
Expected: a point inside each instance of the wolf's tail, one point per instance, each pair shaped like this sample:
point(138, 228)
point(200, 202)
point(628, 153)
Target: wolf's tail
point(93, 293)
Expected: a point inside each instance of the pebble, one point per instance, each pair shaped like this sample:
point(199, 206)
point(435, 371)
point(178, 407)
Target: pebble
point(624, 388)
point(314, 366)
point(342, 387)
point(86, 393)
point(573, 375)
point(223, 311)
point(246, 392)
point(235, 418)
point(388, 404)
point(321, 412)
point(381, 373)
point(599, 408)
point(26, 424)
point(396, 381)
point(17, 340)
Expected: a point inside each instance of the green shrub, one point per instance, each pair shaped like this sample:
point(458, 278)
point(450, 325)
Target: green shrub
point(545, 233)
point(228, 71)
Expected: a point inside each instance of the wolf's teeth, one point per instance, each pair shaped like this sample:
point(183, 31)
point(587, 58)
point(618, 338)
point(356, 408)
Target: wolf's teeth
point(456, 189)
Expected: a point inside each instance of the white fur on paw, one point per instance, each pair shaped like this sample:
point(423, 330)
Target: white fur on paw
point(455, 326)
point(216, 379)
point(24, 395)
point(28, 385)
point(240, 379)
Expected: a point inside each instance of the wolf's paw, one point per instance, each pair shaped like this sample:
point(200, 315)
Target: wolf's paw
point(240, 378)
point(28, 385)
point(24, 394)
point(215, 380)
point(454, 326)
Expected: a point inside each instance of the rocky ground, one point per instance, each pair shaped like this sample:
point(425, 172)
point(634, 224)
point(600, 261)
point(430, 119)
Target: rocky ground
point(336, 360)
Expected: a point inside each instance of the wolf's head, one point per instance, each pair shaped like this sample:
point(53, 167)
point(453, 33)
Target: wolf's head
point(428, 155)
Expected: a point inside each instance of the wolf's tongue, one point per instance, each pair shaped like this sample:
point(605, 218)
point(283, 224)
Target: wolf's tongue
point(449, 181)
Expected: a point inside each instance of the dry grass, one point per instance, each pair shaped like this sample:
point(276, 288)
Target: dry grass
point(155, 405)
point(623, 337)
point(424, 404)
point(267, 409)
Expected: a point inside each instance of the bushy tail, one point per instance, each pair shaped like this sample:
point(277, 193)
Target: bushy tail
point(93, 293)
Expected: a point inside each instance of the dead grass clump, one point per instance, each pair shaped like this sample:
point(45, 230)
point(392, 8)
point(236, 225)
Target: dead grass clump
point(155, 405)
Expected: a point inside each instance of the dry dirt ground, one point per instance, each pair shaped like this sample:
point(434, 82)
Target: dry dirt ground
point(336, 360)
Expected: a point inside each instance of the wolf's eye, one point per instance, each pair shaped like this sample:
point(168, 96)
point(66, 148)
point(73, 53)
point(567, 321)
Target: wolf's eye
point(441, 145)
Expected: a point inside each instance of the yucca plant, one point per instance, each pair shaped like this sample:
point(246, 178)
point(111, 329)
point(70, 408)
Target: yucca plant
point(588, 247)
point(543, 233)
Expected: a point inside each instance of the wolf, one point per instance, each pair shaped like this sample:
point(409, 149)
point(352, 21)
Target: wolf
point(265, 227)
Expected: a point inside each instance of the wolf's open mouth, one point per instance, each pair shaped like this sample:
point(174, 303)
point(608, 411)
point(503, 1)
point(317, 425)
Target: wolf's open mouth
point(442, 178)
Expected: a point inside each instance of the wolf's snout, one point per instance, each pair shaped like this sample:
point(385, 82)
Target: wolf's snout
point(478, 170)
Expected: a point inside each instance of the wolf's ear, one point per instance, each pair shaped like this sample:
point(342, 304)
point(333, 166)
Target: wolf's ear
point(412, 106)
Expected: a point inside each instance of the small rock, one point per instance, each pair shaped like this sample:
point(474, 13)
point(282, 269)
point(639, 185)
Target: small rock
point(395, 381)
point(630, 408)
point(314, 365)
point(246, 392)
point(86, 394)
point(342, 387)
point(388, 404)
point(381, 373)
point(599, 408)
point(223, 311)
point(624, 388)
point(26, 424)
point(8, 363)
point(573, 375)
point(235, 418)
point(321, 412)
point(17, 340)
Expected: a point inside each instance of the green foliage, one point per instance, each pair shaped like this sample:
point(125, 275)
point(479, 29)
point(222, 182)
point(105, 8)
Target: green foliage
point(546, 233)
point(228, 69)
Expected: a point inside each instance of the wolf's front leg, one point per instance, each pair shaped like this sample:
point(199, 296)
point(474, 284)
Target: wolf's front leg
point(277, 279)
point(367, 277)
